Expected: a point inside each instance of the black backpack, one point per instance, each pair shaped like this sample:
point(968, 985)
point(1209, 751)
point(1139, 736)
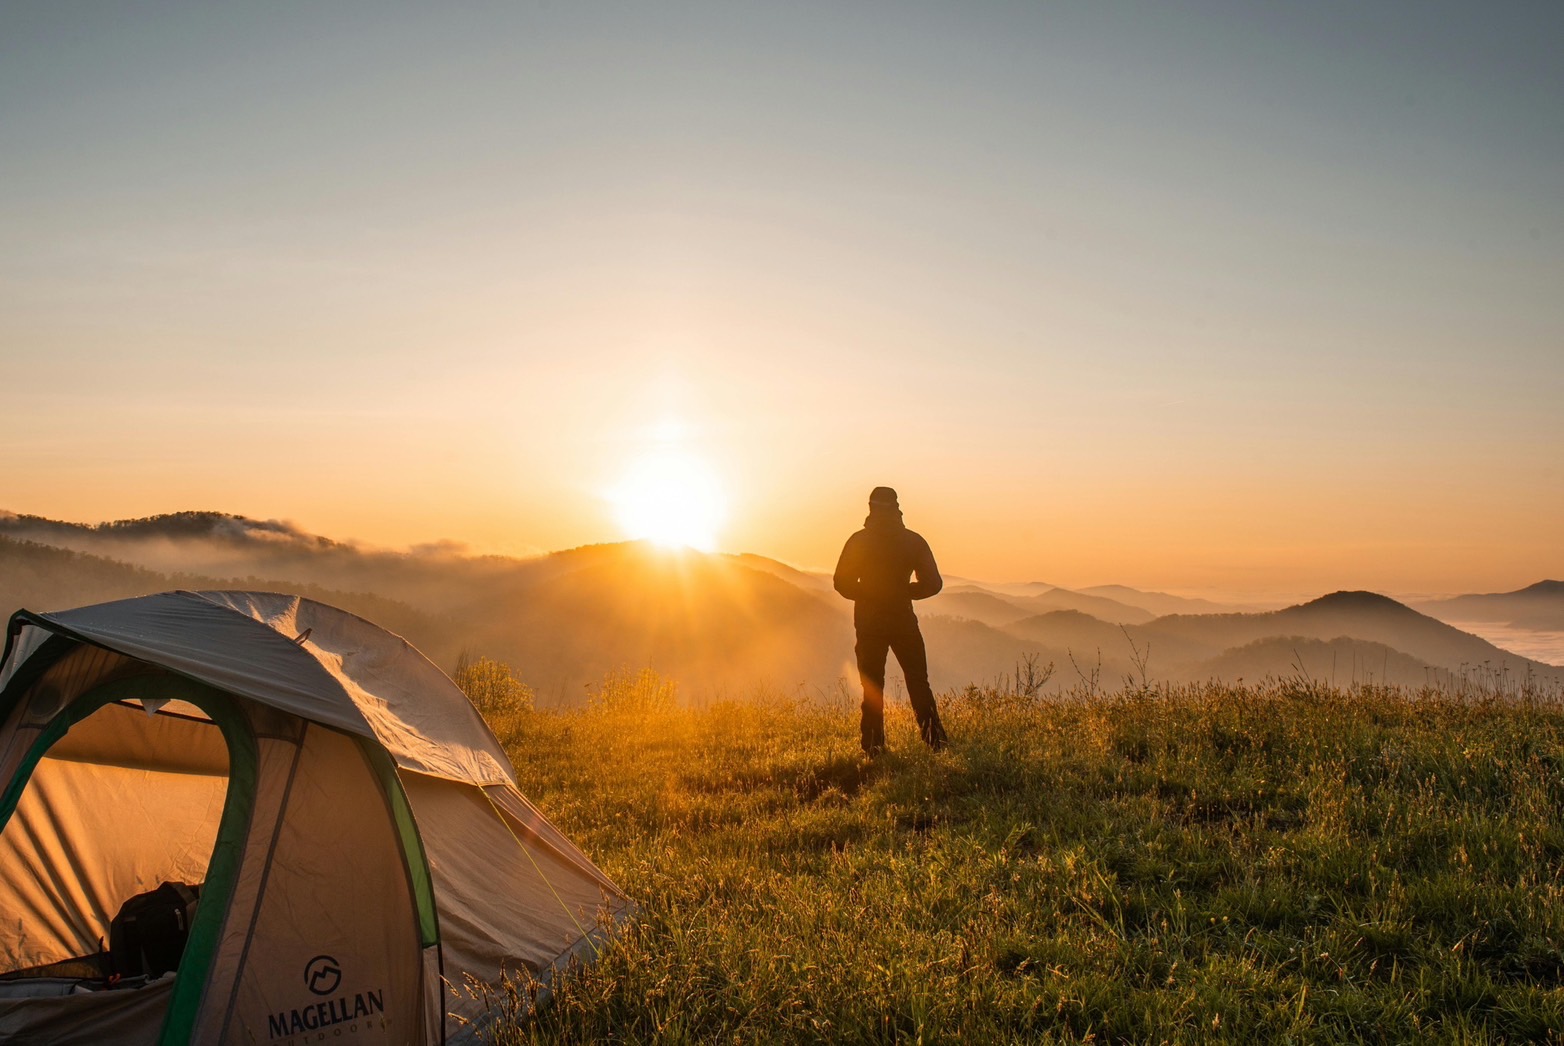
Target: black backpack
point(147, 937)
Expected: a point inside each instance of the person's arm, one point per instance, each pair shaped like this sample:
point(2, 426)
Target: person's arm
point(926, 580)
point(845, 580)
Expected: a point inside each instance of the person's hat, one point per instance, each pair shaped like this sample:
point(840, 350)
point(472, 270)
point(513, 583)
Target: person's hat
point(882, 496)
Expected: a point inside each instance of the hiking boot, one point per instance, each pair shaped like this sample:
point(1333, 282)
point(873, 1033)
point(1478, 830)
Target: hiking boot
point(873, 739)
point(933, 733)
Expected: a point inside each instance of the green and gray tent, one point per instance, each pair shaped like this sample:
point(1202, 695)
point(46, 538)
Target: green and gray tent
point(367, 870)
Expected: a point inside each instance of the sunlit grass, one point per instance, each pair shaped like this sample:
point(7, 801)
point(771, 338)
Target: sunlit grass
point(1287, 863)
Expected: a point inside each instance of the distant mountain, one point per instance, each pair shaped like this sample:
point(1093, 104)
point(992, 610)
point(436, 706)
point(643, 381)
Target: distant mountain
point(221, 545)
point(1363, 616)
point(1002, 588)
point(43, 578)
point(172, 526)
point(974, 604)
point(963, 651)
point(1060, 629)
point(1100, 607)
point(1339, 662)
point(1077, 644)
point(1113, 603)
point(1539, 607)
point(1159, 603)
point(710, 621)
point(1080, 647)
point(1001, 605)
point(1347, 633)
point(807, 580)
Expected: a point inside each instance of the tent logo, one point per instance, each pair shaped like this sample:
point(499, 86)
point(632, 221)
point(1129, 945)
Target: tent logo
point(322, 974)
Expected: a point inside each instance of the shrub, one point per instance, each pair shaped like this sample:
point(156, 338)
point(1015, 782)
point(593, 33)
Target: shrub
point(492, 687)
point(643, 692)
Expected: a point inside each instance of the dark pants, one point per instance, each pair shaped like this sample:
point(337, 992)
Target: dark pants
point(907, 642)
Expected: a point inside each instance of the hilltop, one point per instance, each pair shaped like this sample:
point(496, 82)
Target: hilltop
point(1276, 864)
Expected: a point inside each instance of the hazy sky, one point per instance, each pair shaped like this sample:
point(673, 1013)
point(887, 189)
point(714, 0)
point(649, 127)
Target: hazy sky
point(1227, 296)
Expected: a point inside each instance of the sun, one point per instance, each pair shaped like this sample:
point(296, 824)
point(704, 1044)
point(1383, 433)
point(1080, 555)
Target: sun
point(670, 498)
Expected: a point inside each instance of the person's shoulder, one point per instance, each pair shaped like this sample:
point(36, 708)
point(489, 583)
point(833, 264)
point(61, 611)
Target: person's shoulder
point(916, 538)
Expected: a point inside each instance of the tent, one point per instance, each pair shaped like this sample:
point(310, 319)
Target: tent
point(365, 867)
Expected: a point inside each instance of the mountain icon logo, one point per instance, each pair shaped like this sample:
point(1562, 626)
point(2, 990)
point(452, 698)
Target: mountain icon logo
point(322, 974)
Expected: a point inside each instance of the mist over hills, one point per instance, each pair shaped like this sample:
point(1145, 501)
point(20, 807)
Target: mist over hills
point(1539, 606)
point(1360, 615)
point(41, 577)
point(973, 604)
point(716, 623)
point(222, 545)
point(1338, 661)
point(724, 625)
point(971, 600)
point(1160, 603)
point(1345, 637)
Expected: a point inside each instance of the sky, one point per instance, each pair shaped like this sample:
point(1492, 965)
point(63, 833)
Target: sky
point(1208, 297)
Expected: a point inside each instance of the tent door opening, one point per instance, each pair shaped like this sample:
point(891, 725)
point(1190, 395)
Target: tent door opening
point(108, 830)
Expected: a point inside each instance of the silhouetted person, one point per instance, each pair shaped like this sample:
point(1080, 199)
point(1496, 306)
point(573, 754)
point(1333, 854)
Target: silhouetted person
point(883, 568)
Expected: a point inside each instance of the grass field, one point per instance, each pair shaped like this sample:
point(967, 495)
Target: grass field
point(1281, 863)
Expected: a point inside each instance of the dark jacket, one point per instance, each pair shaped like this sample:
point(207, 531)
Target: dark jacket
point(877, 569)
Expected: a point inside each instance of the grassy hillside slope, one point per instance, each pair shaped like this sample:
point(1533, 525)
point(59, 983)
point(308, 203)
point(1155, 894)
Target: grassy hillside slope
point(1207, 864)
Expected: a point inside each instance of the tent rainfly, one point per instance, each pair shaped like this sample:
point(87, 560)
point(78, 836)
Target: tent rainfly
point(349, 856)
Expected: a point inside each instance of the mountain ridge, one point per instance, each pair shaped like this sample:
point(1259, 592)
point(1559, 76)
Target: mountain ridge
point(1537, 607)
point(720, 623)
